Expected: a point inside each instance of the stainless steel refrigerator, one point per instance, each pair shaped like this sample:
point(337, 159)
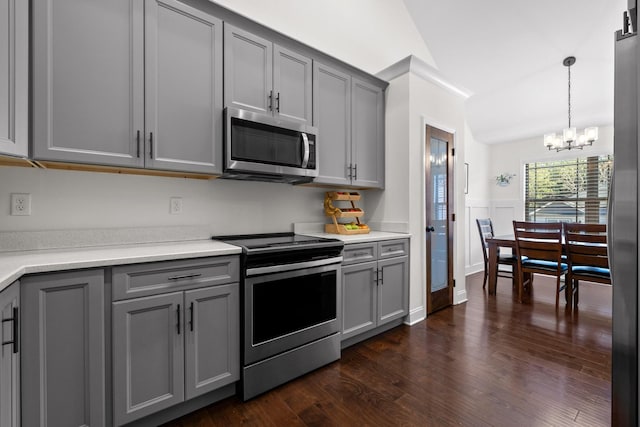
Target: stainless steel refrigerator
point(623, 225)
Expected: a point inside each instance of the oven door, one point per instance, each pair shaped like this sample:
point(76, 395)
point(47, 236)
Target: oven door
point(289, 309)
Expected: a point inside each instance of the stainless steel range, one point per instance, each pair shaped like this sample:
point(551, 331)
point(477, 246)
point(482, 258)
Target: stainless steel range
point(291, 307)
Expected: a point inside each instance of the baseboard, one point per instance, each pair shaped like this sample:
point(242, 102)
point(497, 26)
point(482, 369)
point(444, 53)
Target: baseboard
point(416, 315)
point(460, 297)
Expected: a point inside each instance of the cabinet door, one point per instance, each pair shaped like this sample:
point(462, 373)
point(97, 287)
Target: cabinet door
point(248, 71)
point(148, 356)
point(183, 103)
point(212, 342)
point(88, 81)
point(14, 74)
point(9, 357)
point(393, 289)
point(367, 121)
point(332, 117)
point(359, 299)
point(292, 85)
point(63, 345)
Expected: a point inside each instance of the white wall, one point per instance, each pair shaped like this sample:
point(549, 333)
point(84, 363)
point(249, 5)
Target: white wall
point(413, 102)
point(83, 200)
point(477, 200)
point(368, 34)
point(508, 202)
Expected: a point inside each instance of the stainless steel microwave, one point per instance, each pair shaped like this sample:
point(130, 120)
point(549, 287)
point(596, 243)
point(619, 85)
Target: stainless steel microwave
point(259, 147)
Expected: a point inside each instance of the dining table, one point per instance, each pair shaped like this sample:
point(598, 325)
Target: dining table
point(493, 244)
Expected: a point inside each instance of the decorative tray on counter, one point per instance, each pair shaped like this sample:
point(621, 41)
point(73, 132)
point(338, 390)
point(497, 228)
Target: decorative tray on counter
point(354, 227)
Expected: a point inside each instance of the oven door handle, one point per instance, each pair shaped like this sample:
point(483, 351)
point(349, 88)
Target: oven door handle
point(296, 266)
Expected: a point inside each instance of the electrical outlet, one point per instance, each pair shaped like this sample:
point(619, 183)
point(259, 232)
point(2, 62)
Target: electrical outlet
point(175, 205)
point(20, 204)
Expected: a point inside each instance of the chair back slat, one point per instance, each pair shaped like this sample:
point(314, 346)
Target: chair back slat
point(542, 241)
point(485, 228)
point(586, 245)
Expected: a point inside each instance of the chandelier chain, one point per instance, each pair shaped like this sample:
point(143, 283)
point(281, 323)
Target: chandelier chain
point(569, 97)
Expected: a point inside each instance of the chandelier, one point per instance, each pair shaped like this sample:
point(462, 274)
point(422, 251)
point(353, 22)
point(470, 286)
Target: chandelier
point(570, 138)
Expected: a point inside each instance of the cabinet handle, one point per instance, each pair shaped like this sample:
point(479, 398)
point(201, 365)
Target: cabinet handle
point(359, 254)
point(178, 323)
point(355, 172)
point(138, 144)
point(151, 145)
point(278, 102)
point(270, 100)
point(375, 279)
point(350, 175)
point(14, 331)
point(382, 276)
point(191, 317)
point(186, 276)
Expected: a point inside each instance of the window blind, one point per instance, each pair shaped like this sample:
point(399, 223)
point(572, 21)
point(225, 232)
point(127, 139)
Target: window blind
point(568, 190)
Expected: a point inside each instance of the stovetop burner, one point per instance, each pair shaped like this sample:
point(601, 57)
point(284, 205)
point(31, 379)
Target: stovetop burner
point(276, 241)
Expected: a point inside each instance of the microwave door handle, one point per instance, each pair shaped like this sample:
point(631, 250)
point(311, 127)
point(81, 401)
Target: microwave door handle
point(305, 157)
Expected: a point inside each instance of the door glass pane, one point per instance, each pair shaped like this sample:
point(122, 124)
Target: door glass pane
point(257, 142)
point(438, 214)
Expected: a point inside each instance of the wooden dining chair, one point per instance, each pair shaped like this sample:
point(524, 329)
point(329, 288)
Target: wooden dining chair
point(539, 251)
point(485, 228)
point(586, 247)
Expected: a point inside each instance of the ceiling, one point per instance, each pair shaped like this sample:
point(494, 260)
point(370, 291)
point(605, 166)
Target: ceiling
point(509, 53)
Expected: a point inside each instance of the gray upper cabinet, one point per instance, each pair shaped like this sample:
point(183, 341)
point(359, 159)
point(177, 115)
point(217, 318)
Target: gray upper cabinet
point(136, 83)
point(14, 75)
point(88, 81)
point(332, 111)
point(266, 78)
point(64, 349)
point(10, 357)
point(367, 130)
point(183, 81)
point(349, 115)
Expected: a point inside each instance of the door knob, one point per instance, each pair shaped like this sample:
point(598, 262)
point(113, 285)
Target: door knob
point(430, 229)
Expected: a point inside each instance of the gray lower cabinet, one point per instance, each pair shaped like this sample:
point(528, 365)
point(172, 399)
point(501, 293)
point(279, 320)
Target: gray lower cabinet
point(263, 77)
point(130, 83)
point(178, 344)
point(63, 350)
point(14, 78)
point(10, 356)
point(375, 284)
point(349, 115)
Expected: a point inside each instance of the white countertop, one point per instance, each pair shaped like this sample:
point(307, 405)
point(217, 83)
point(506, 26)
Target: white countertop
point(362, 238)
point(13, 265)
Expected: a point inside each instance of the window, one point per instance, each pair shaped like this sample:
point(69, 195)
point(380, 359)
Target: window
point(568, 190)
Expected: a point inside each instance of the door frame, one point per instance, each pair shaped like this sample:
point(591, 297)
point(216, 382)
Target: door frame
point(427, 126)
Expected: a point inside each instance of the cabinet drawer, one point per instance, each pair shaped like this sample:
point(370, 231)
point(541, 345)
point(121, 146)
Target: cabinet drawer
point(393, 248)
point(132, 281)
point(360, 252)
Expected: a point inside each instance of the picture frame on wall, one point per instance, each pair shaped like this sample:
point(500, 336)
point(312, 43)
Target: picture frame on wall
point(466, 178)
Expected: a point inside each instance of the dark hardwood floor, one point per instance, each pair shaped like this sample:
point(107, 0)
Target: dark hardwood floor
point(487, 362)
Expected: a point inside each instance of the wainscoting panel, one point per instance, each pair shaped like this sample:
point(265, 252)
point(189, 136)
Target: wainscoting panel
point(473, 253)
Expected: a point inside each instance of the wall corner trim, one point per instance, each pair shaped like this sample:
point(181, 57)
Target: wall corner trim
point(423, 70)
